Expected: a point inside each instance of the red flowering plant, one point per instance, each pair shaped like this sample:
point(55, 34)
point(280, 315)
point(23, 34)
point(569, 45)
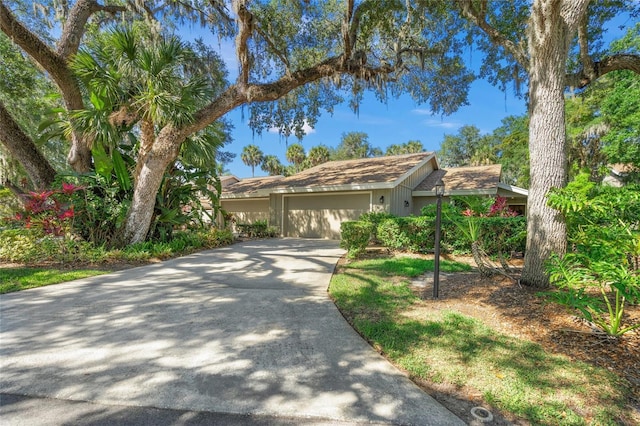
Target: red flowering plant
point(49, 211)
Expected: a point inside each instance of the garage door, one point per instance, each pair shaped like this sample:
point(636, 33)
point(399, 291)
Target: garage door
point(320, 216)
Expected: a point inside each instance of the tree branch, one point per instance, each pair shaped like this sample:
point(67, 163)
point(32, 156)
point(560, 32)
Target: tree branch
point(583, 78)
point(583, 41)
point(239, 94)
point(275, 50)
point(478, 17)
point(22, 148)
point(79, 155)
point(245, 28)
point(30, 43)
point(75, 25)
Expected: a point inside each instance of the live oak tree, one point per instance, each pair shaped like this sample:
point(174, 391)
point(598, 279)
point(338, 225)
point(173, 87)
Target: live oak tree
point(294, 59)
point(355, 145)
point(552, 45)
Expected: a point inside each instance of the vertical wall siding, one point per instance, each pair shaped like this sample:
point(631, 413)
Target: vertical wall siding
point(403, 192)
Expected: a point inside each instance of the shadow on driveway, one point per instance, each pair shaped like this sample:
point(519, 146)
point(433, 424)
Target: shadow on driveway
point(246, 329)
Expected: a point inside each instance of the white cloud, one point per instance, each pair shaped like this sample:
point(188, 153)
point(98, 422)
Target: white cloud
point(443, 124)
point(306, 127)
point(421, 111)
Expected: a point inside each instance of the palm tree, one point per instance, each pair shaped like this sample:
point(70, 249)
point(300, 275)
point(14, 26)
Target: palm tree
point(136, 87)
point(296, 155)
point(252, 156)
point(272, 165)
point(318, 155)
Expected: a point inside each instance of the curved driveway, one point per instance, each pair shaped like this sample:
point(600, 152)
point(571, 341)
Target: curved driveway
point(244, 329)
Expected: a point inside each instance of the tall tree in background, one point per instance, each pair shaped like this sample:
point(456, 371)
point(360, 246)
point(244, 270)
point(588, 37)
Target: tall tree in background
point(467, 148)
point(513, 148)
point(317, 155)
point(252, 156)
point(272, 165)
point(411, 147)
point(533, 42)
point(295, 59)
point(296, 156)
point(355, 145)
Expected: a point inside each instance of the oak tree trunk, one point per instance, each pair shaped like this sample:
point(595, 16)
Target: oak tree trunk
point(552, 24)
point(149, 174)
point(25, 151)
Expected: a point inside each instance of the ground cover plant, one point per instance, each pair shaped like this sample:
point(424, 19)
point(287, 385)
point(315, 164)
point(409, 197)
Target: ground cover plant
point(21, 278)
point(599, 276)
point(487, 343)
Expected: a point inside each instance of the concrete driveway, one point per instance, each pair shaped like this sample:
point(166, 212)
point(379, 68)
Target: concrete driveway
point(246, 329)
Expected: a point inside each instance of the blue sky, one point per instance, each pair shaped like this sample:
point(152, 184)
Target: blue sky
point(397, 121)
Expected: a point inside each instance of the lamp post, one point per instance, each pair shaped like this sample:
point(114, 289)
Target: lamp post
point(436, 260)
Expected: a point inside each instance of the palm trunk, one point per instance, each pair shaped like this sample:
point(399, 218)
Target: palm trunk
point(476, 252)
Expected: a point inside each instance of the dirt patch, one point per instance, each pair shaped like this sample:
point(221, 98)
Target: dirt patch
point(506, 306)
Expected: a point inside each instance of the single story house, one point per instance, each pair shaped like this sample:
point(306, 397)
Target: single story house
point(314, 202)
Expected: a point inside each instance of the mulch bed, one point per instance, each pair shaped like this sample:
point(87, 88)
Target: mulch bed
point(508, 307)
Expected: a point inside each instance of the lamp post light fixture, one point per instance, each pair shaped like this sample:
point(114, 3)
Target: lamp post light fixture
point(436, 259)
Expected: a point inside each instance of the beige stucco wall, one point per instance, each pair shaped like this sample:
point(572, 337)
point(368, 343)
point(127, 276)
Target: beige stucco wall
point(247, 210)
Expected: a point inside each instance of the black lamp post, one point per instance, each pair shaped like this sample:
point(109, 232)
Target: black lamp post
point(436, 260)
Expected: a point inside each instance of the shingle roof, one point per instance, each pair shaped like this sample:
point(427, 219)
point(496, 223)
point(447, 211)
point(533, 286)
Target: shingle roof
point(463, 178)
point(351, 172)
point(337, 173)
point(250, 185)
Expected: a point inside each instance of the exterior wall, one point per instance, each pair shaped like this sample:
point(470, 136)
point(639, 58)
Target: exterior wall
point(320, 215)
point(420, 202)
point(385, 205)
point(416, 178)
point(402, 203)
point(247, 210)
point(275, 211)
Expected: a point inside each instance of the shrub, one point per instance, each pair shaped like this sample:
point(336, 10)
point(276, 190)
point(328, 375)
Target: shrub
point(355, 237)
point(374, 218)
point(393, 234)
point(600, 274)
point(19, 245)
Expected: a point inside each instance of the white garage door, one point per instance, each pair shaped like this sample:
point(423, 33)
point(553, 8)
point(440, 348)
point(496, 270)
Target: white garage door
point(320, 216)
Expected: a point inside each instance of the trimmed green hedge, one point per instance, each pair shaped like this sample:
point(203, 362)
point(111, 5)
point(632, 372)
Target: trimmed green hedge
point(416, 234)
point(355, 237)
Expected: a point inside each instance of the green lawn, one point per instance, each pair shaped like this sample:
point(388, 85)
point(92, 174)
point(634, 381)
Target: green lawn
point(16, 279)
point(514, 375)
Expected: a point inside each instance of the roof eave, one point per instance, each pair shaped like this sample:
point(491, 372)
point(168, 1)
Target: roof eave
point(245, 195)
point(514, 189)
point(456, 192)
point(334, 188)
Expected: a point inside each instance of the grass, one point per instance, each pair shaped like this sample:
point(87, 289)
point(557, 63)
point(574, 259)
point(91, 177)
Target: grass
point(407, 266)
point(514, 375)
point(16, 279)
